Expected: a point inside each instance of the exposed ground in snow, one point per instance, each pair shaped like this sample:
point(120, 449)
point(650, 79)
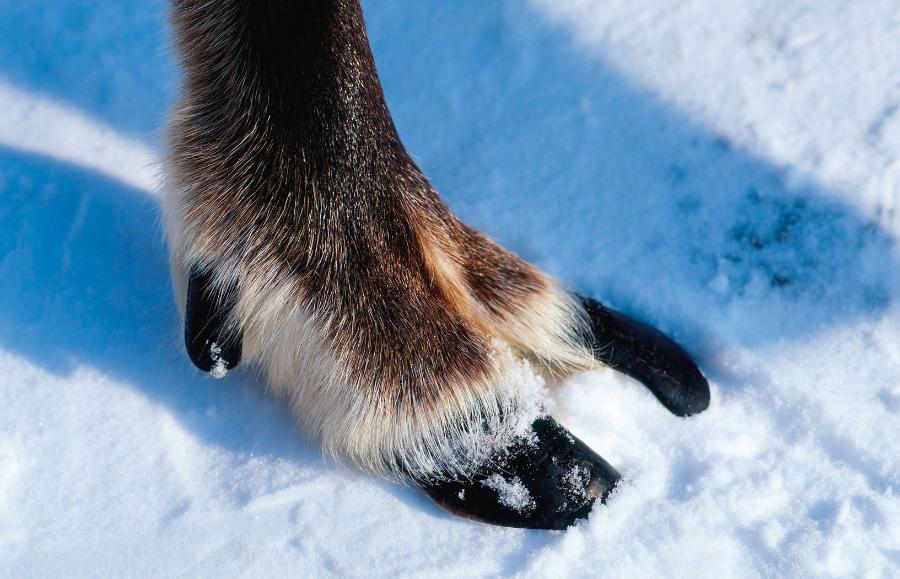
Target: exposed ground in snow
point(729, 171)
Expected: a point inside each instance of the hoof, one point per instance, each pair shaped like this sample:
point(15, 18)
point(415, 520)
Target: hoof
point(209, 346)
point(645, 354)
point(547, 480)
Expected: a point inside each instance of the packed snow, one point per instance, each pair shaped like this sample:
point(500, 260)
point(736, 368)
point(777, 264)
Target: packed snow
point(728, 171)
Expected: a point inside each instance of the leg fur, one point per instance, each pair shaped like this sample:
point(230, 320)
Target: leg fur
point(400, 369)
point(508, 298)
point(391, 328)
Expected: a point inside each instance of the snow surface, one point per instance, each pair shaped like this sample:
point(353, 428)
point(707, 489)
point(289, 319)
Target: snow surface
point(729, 171)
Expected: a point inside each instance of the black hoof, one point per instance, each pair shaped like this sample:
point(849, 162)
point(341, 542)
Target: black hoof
point(642, 352)
point(547, 480)
point(209, 345)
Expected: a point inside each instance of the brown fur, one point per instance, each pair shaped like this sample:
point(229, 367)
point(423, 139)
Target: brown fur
point(286, 174)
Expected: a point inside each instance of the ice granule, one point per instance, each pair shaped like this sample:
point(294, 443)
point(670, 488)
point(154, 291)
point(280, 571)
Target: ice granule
point(576, 481)
point(218, 370)
point(513, 493)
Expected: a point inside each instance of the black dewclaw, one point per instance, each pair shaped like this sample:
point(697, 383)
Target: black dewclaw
point(644, 353)
point(210, 346)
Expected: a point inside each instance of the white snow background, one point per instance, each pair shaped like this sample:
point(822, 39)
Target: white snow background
point(728, 171)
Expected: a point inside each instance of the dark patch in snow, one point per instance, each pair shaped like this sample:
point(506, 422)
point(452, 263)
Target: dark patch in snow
point(789, 242)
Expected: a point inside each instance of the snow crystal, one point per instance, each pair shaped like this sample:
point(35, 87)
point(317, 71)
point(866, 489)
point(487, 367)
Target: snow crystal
point(576, 480)
point(219, 370)
point(513, 493)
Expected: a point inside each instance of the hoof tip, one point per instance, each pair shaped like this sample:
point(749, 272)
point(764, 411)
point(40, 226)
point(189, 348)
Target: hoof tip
point(546, 481)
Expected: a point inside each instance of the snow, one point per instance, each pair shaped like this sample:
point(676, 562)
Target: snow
point(575, 483)
point(728, 171)
point(219, 370)
point(512, 491)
